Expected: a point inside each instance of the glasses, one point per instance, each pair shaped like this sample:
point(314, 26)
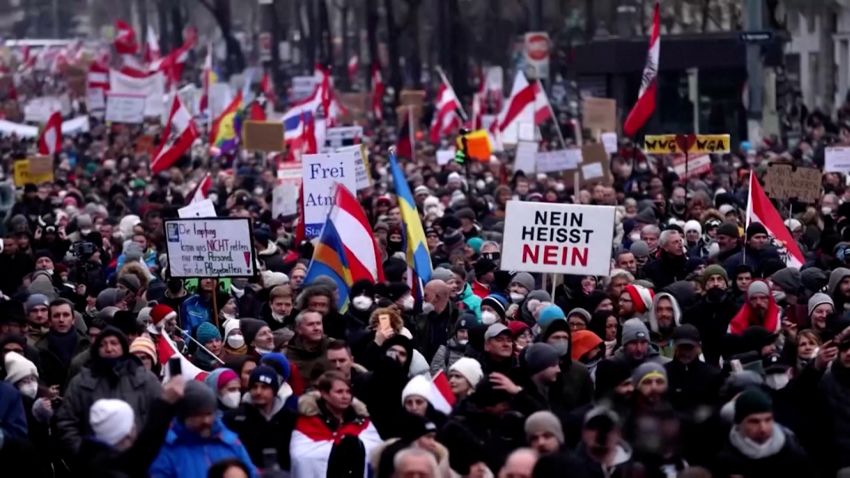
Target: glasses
point(493, 256)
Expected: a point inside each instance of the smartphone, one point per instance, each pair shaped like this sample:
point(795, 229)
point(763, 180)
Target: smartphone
point(174, 367)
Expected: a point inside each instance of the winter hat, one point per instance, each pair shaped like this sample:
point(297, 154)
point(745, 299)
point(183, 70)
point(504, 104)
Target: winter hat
point(728, 229)
point(788, 279)
point(470, 369)
point(111, 420)
point(396, 290)
point(483, 266)
point(693, 225)
point(755, 228)
point(813, 279)
point(634, 329)
point(641, 297)
point(540, 356)
point(35, 300)
point(144, 345)
point(42, 253)
point(756, 288)
point(540, 295)
point(819, 299)
point(211, 380)
point(835, 277)
point(517, 327)
point(475, 244)
point(443, 274)
point(524, 279)
point(713, 270)
point(750, 402)
point(583, 341)
point(250, 328)
point(273, 279)
point(279, 363)
point(497, 302)
point(84, 223)
point(648, 370)
point(131, 282)
point(207, 332)
point(585, 315)
point(548, 314)
point(544, 421)
point(197, 399)
point(109, 297)
point(226, 376)
point(266, 375)
point(609, 374)
point(418, 385)
point(640, 249)
point(18, 367)
point(162, 312)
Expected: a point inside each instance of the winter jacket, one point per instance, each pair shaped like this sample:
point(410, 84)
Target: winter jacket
point(668, 269)
point(13, 420)
point(128, 381)
point(259, 431)
point(194, 311)
point(834, 414)
point(185, 454)
point(653, 354)
point(469, 301)
point(306, 359)
point(737, 459)
point(321, 446)
point(446, 356)
point(751, 257)
point(692, 385)
point(432, 330)
point(711, 318)
point(52, 371)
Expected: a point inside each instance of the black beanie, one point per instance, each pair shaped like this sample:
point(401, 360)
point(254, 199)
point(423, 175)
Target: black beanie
point(609, 374)
point(755, 228)
point(750, 402)
point(728, 229)
point(198, 399)
point(250, 328)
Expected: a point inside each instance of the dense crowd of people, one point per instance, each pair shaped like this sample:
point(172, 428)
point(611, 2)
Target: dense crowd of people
point(700, 353)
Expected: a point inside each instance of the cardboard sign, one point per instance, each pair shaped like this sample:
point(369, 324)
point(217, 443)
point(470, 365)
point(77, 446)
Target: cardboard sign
point(151, 87)
point(320, 173)
point(263, 136)
point(211, 247)
point(445, 156)
point(559, 238)
point(526, 157)
point(599, 113)
point(609, 141)
point(38, 110)
point(40, 165)
point(837, 159)
point(285, 199)
point(125, 108)
point(595, 167)
point(560, 160)
point(690, 143)
point(22, 175)
point(203, 208)
point(784, 181)
point(696, 165)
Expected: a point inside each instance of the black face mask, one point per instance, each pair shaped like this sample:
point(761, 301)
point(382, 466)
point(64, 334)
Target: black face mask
point(715, 294)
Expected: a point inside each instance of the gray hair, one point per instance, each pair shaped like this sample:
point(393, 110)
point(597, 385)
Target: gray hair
point(301, 315)
point(491, 243)
point(650, 229)
point(615, 273)
point(407, 453)
point(666, 236)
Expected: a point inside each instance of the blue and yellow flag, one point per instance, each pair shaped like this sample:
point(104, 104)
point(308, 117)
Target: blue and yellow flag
point(329, 260)
point(418, 256)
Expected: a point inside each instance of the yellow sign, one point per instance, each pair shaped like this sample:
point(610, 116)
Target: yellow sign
point(22, 175)
point(686, 143)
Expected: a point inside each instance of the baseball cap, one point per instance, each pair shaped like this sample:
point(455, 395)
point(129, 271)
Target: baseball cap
point(496, 330)
point(686, 334)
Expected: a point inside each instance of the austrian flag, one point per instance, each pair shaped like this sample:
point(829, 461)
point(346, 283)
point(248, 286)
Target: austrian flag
point(170, 149)
point(645, 105)
point(50, 138)
point(759, 209)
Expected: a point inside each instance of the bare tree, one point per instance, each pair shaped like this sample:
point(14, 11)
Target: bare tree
point(220, 10)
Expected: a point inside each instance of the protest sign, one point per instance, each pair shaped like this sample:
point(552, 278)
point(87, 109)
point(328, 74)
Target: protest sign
point(559, 238)
point(151, 87)
point(445, 156)
point(263, 136)
point(40, 166)
point(22, 175)
point(342, 136)
point(8, 128)
point(290, 172)
point(686, 143)
point(302, 87)
point(559, 160)
point(210, 247)
point(696, 165)
point(285, 199)
point(599, 113)
point(526, 156)
point(220, 96)
point(595, 167)
point(609, 141)
point(38, 110)
point(361, 165)
point(125, 108)
point(837, 159)
point(785, 181)
point(203, 208)
point(95, 99)
point(354, 106)
point(320, 173)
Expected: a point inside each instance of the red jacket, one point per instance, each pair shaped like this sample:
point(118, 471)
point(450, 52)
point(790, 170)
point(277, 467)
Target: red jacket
point(480, 289)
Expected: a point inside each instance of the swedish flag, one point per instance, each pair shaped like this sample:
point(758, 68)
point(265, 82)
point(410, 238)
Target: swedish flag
point(418, 257)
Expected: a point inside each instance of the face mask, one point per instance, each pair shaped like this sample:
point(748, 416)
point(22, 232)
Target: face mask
point(463, 342)
point(235, 341)
point(49, 271)
point(408, 303)
point(562, 346)
point(516, 297)
point(30, 389)
point(228, 316)
point(278, 317)
point(362, 302)
point(560, 187)
point(427, 308)
point(826, 210)
point(382, 171)
point(480, 184)
point(489, 318)
point(777, 381)
point(634, 236)
point(231, 399)
point(153, 329)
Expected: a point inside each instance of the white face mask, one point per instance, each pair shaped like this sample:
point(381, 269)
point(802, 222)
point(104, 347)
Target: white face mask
point(235, 341)
point(427, 308)
point(408, 302)
point(562, 346)
point(777, 381)
point(826, 210)
point(489, 318)
point(231, 399)
point(634, 236)
point(278, 317)
point(362, 302)
point(463, 342)
point(516, 297)
point(29, 389)
point(228, 316)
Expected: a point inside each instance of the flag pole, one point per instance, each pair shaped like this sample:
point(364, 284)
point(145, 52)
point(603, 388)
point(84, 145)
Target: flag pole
point(187, 334)
point(463, 115)
point(552, 112)
point(411, 132)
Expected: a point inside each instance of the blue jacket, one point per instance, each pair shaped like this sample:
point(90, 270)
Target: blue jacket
point(184, 454)
point(194, 311)
point(13, 420)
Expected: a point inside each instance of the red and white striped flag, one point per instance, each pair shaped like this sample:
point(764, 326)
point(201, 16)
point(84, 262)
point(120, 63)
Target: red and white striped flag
point(125, 39)
point(166, 348)
point(50, 138)
point(152, 52)
point(202, 190)
point(185, 133)
point(645, 105)
point(206, 79)
point(445, 118)
point(542, 108)
point(361, 249)
point(353, 66)
point(267, 87)
point(444, 399)
point(528, 103)
point(760, 209)
point(377, 92)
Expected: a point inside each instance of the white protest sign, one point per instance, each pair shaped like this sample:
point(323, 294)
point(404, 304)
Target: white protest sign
point(151, 87)
point(526, 156)
point(125, 108)
point(203, 208)
point(95, 99)
point(285, 199)
point(220, 97)
point(592, 171)
point(8, 128)
point(320, 173)
point(362, 174)
point(342, 136)
point(302, 87)
point(559, 160)
point(80, 124)
point(837, 159)
point(445, 156)
point(609, 140)
point(212, 247)
point(38, 110)
point(559, 238)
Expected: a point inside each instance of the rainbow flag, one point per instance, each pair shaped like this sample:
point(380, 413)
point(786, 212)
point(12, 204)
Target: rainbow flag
point(329, 259)
point(227, 128)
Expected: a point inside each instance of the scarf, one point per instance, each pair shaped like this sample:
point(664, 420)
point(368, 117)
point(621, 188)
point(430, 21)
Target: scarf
point(746, 317)
point(63, 345)
point(756, 451)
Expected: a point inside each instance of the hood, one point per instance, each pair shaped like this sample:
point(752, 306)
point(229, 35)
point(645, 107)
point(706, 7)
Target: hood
point(308, 405)
point(270, 250)
point(835, 278)
point(677, 312)
point(755, 451)
point(277, 406)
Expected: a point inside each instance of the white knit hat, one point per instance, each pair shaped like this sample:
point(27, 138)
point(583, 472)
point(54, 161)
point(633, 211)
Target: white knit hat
point(693, 225)
point(111, 420)
point(470, 369)
point(230, 326)
point(18, 368)
point(418, 385)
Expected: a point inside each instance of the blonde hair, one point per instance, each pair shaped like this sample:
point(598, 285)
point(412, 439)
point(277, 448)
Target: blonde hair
point(136, 269)
point(396, 321)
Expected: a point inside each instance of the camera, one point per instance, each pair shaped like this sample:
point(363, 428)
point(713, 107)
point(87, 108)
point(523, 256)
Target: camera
point(82, 249)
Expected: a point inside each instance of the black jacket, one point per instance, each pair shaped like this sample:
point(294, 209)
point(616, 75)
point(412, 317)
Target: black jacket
point(258, 432)
point(712, 320)
point(668, 269)
point(692, 385)
point(791, 460)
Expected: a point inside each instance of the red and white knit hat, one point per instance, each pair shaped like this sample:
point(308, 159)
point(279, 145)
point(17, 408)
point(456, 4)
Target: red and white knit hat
point(641, 297)
point(161, 313)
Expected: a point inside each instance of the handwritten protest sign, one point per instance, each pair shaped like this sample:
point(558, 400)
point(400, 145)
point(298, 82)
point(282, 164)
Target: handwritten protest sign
point(560, 238)
point(342, 136)
point(203, 208)
point(285, 199)
point(125, 108)
point(837, 159)
point(361, 166)
point(599, 113)
point(784, 181)
point(210, 247)
point(690, 143)
point(320, 173)
point(560, 160)
point(696, 165)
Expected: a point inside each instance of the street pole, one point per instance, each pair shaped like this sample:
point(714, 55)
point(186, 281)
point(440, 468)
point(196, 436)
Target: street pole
point(755, 72)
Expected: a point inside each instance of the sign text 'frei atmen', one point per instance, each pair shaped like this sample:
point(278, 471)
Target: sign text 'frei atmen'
point(560, 238)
